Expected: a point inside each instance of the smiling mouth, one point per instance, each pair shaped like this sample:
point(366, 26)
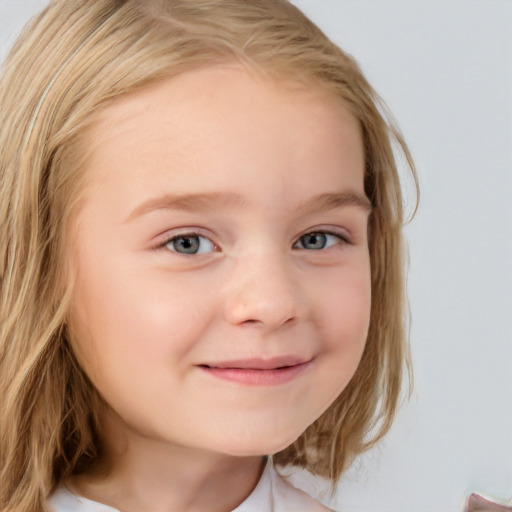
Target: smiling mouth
point(258, 372)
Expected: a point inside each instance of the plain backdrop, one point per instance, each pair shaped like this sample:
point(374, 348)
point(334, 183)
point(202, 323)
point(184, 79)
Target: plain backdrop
point(445, 69)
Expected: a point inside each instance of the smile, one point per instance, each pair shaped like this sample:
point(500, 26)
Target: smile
point(258, 372)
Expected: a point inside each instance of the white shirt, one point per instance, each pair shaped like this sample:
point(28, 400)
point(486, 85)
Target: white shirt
point(272, 494)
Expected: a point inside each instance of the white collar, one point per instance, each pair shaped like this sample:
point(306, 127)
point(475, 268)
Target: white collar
point(272, 494)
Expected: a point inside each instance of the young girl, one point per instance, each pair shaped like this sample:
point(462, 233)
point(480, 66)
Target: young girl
point(201, 259)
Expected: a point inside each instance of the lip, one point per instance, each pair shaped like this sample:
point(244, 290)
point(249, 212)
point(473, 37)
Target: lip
point(258, 372)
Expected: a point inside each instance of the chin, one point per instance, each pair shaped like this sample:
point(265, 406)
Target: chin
point(260, 443)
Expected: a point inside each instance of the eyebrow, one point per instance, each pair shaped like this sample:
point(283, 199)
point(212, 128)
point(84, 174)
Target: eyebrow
point(333, 200)
point(190, 203)
point(228, 200)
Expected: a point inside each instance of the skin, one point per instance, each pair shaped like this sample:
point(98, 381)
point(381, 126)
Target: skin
point(146, 319)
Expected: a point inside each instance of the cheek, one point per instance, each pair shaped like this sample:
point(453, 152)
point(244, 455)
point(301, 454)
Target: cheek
point(135, 323)
point(343, 323)
point(346, 305)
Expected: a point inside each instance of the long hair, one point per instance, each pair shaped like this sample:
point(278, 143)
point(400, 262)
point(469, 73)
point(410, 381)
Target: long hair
point(75, 58)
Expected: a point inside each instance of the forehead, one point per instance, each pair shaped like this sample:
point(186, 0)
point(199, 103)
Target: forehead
point(220, 121)
point(213, 91)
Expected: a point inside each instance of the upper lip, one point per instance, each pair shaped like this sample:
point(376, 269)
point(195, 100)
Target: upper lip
point(260, 363)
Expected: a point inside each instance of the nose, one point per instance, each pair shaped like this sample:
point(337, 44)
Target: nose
point(262, 291)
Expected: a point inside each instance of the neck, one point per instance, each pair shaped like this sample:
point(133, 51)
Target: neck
point(143, 473)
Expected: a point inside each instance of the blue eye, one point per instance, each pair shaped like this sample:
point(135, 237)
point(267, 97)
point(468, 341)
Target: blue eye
point(317, 240)
point(190, 244)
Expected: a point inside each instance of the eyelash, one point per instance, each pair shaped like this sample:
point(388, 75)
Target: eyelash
point(341, 240)
point(184, 236)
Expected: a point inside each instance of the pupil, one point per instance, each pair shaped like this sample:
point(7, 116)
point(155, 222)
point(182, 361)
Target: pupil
point(315, 241)
point(189, 245)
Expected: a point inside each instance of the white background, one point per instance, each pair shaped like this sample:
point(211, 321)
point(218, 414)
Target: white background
point(445, 69)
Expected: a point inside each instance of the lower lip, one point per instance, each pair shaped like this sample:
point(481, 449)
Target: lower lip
point(252, 377)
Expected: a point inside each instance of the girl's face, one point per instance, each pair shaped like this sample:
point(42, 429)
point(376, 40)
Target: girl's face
point(222, 299)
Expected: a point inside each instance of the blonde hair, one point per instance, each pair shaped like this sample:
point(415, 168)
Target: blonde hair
point(73, 59)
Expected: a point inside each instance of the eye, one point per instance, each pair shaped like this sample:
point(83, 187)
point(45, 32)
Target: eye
point(189, 244)
point(318, 240)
